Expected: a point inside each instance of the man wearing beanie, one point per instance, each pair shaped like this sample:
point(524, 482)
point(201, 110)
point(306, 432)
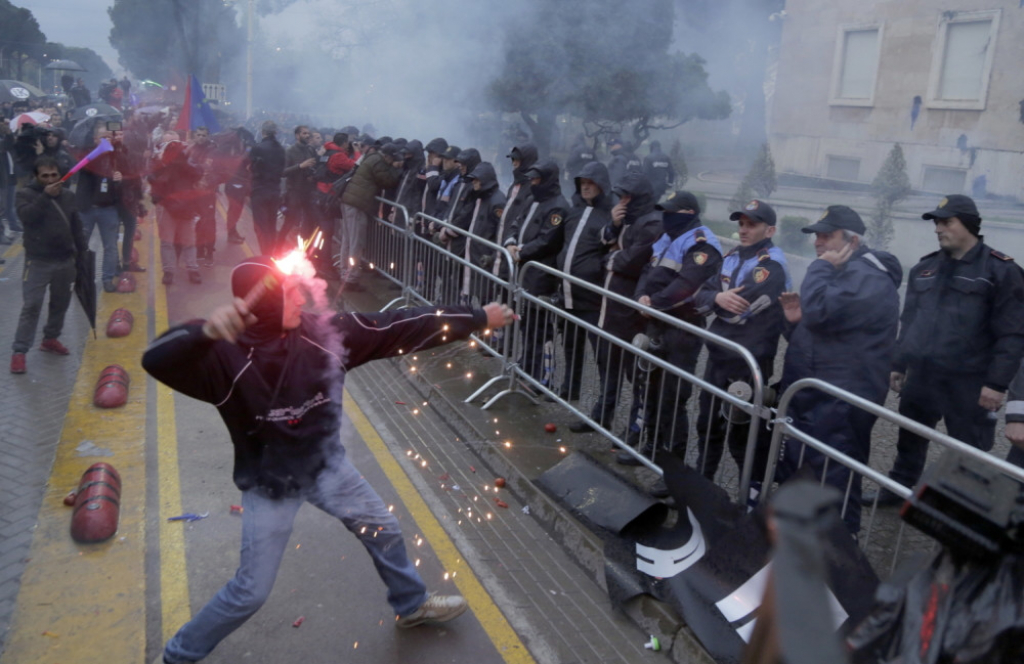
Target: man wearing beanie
point(961, 339)
point(276, 374)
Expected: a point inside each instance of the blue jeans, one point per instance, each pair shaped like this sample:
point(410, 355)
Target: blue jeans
point(342, 492)
point(106, 218)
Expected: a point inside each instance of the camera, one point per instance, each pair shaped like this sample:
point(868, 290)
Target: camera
point(113, 126)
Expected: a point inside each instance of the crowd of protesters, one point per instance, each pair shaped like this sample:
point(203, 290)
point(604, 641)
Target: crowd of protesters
point(618, 224)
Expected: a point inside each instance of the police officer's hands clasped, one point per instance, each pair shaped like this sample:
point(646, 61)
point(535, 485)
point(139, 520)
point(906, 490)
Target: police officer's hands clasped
point(990, 399)
point(228, 321)
point(498, 315)
point(896, 381)
point(646, 301)
point(732, 301)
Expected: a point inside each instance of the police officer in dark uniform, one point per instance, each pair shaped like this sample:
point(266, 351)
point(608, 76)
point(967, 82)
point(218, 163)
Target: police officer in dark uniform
point(685, 256)
point(580, 154)
point(623, 161)
point(537, 235)
point(659, 170)
point(744, 298)
point(961, 338)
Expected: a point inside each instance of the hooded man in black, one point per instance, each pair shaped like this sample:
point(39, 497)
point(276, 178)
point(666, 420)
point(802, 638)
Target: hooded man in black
point(486, 207)
point(582, 256)
point(537, 236)
point(433, 176)
point(276, 375)
point(410, 188)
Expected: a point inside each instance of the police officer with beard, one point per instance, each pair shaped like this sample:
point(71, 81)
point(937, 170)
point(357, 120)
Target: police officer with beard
point(961, 339)
point(537, 235)
point(682, 260)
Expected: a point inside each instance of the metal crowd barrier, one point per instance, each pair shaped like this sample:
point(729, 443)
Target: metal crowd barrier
point(784, 429)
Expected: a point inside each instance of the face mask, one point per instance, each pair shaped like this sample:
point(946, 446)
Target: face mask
point(675, 222)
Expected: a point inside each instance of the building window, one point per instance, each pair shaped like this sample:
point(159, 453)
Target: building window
point(943, 180)
point(855, 65)
point(962, 60)
point(842, 168)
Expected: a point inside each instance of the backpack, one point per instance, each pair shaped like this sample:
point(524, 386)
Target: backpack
point(330, 203)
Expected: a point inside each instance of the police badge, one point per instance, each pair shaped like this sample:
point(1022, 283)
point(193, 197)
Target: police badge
point(760, 274)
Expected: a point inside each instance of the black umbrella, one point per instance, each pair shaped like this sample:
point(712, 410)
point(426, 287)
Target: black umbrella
point(15, 91)
point(85, 285)
point(99, 109)
point(65, 65)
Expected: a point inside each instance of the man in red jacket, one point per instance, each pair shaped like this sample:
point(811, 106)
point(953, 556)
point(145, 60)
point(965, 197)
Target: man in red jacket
point(276, 375)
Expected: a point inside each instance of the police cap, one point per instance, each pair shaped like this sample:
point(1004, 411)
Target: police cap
point(756, 210)
point(679, 200)
point(837, 217)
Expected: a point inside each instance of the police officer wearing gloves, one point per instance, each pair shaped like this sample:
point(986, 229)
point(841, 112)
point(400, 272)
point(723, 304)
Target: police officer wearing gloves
point(842, 330)
point(537, 235)
point(961, 338)
point(685, 256)
point(744, 298)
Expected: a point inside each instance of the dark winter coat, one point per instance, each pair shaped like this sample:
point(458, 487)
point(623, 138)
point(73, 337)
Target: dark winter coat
point(299, 181)
point(580, 154)
point(96, 186)
point(53, 230)
point(624, 161)
point(267, 161)
point(539, 231)
point(659, 170)
point(964, 316)
point(583, 250)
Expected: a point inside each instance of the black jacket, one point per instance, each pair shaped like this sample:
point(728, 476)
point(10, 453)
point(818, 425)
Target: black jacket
point(583, 251)
point(483, 219)
point(539, 231)
point(53, 230)
point(631, 245)
point(580, 154)
point(759, 330)
point(299, 181)
point(847, 335)
point(96, 186)
point(624, 161)
point(266, 164)
point(470, 159)
point(964, 316)
point(659, 170)
point(282, 443)
point(410, 187)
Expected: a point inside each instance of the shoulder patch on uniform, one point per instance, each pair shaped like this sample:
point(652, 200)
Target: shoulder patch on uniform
point(763, 256)
point(699, 236)
point(700, 258)
point(760, 274)
point(556, 219)
point(1001, 256)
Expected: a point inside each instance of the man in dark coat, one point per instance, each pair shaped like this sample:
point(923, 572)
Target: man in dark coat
point(659, 170)
point(537, 236)
point(624, 161)
point(961, 338)
point(266, 166)
point(843, 331)
point(488, 206)
point(744, 298)
point(97, 197)
point(53, 238)
point(433, 170)
point(299, 186)
point(376, 172)
point(580, 154)
point(276, 376)
point(583, 256)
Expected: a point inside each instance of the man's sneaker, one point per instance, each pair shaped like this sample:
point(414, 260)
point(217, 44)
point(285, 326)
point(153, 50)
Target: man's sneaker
point(195, 277)
point(54, 346)
point(18, 363)
point(437, 609)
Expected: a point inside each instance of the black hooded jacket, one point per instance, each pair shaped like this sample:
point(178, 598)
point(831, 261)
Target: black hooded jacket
point(486, 208)
point(583, 251)
point(470, 158)
point(631, 243)
point(410, 187)
point(279, 392)
point(538, 231)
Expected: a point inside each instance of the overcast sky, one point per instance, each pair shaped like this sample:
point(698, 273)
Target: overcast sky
point(75, 23)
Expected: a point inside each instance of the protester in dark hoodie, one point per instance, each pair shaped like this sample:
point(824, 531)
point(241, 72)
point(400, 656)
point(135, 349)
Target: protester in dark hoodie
point(448, 181)
point(843, 331)
point(583, 255)
point(276, 375)
point(410, 188)
point(53, 239)
point(432, 177)
point(537, 235)
point(53, 146)
point(685, 256)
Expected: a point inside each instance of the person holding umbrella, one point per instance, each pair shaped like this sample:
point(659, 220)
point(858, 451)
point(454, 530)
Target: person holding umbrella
point(53, 239)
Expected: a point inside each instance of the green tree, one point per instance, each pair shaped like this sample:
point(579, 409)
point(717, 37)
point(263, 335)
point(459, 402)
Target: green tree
point(158, 39)
point(21, 40)
point(760, 181)
point(565, 56)
point(890, 186)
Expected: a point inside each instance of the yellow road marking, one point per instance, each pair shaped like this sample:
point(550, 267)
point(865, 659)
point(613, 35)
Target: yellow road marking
point(175, 609)
point(87, 603)
point(491, 619)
